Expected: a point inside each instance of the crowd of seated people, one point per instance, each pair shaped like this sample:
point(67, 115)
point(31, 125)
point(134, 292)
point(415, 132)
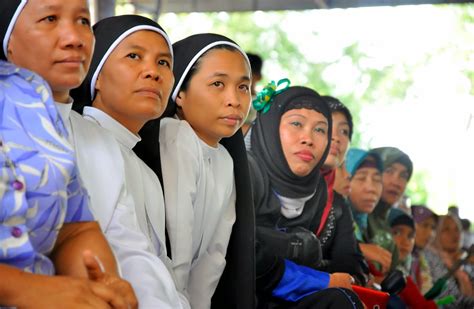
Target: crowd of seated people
point(126, 181)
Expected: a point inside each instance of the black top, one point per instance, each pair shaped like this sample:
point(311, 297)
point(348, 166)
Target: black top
point(269, 266)
point(340, 248)
point(236, 288)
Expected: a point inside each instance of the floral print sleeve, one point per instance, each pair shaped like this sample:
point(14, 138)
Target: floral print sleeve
point(39, 185)
point(439, 269)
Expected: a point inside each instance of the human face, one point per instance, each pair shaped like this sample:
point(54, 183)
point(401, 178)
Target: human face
point(54, 39)
point(339, 141)
point(135, 82)
point(342, 184)
point(304, 138)
point(366, 189)
point(424, 232)
point(404, 238)
point(395, 179)
point(449, 235)
point(217, 99)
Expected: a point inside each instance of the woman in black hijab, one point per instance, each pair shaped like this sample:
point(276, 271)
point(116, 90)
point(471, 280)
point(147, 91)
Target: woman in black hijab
point(290, 142)
point(200, 146)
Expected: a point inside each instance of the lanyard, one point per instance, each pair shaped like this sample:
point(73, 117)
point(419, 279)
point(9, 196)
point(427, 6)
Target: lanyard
point(329, 178)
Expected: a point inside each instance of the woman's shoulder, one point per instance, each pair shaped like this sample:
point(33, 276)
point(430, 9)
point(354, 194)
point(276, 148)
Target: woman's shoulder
point(256, 170)
point(174, 130)
point(258, 179)
point(178, 141)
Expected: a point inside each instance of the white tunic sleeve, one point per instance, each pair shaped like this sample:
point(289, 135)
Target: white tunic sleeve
point(212, 263)
point(149, 277)
point(198, 182)
point(102, 165)
point(181, 169)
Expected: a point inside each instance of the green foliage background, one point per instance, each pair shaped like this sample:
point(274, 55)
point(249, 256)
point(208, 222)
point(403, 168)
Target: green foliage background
point(264, 33)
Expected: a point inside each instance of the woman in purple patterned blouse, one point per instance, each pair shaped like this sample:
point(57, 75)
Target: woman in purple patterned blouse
point(46, 226)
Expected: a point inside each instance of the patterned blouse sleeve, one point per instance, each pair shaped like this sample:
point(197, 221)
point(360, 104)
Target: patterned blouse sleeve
point(77, 197)
point(78, 201)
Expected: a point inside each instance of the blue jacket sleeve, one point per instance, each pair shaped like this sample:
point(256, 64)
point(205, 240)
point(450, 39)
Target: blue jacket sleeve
point(299, 281)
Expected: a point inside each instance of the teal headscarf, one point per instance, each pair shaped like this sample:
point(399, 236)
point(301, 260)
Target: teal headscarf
point(354, 160)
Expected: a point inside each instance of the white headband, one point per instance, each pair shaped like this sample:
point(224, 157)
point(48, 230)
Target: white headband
point(117, 42)
point(11, 25)
point(197, 56)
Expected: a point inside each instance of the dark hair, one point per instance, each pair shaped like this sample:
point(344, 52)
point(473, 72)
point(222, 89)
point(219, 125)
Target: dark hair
point(256, 63)
point(337, 106)
point(197, 64)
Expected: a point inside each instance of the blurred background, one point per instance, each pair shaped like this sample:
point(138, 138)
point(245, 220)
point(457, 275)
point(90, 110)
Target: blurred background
point(404, 68)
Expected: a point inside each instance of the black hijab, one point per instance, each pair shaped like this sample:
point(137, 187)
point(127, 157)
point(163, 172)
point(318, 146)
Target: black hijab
point(10, 10)
point(266, 143)
point(109, 33)
point(236, 288)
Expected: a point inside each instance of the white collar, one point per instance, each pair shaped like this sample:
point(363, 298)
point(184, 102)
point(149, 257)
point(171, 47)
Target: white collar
point(121, 133)
point(64, 109)
point(292, 207)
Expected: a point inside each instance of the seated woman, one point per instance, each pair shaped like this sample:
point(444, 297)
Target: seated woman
point(212, 98)
point(45, 219)
point(441, 257)
point(129, 84)
point(366, 189)
point(290, 141)
point(30, 36)
point(342, 182)
point(403, 233)
point(425, 226)
point(397, 171)
point(202, 187)
point(335, 231)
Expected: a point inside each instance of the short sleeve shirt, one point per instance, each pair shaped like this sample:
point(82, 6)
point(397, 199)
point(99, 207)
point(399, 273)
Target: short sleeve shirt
point(40, 189)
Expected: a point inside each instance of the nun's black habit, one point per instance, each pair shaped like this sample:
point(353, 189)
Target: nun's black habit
point(134, 221)
point(9, 12)
point(236, 288)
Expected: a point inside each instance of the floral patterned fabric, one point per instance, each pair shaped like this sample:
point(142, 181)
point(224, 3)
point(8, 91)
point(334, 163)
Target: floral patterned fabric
point(439, 269)
point(39, 185)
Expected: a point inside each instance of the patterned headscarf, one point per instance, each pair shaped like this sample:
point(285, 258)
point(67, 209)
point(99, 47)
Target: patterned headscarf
point(391, 155)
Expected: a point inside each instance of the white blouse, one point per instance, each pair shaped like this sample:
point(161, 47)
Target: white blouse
point(292, 207)
point(104, 171)
point(199, 191)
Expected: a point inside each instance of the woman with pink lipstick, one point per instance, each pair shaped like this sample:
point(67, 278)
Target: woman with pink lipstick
point(212, 97)
point(290, 142)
